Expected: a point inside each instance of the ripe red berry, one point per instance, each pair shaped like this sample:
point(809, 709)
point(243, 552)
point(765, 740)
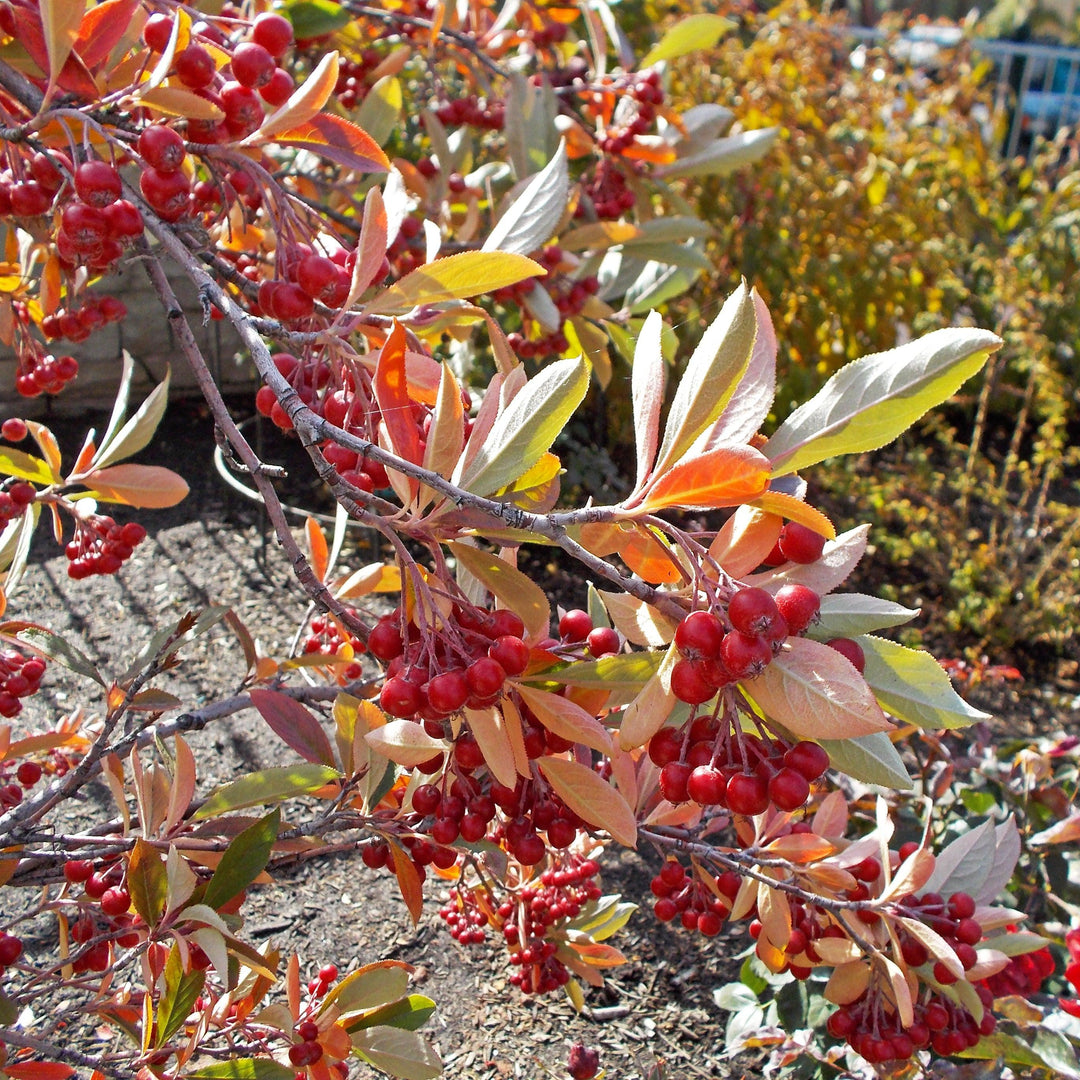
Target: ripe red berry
point(510, 653)
point(799, 606)
point(799, 544)
point(10, 949)
point(305, 1053)
point(674, 778)
point(308, 1031)
point(707, 786)
point(961, 906)
point(448, 692)
point(400, 697)
point(789, 789)
point(745, 655)
point(14, 429)
point(665, 746)
point(575, 625)
point(603, 641)
point(157, 31)
point(700, 635)
point(279, 89)
point(252, 64)
point(747, 793)
point(168, 193)
point(97, 183)
point(583, 1062)
point(115, 901)
point(968, 931)
point(753, 611)
point(76, 871)
point(485, 677)
point(808, 758)
point(690, 684)
point(273, 32)
point(195, 67)
point(124, 219)
point(384, 642)
point(29, 773)
point(161, 148)
point(850, 649)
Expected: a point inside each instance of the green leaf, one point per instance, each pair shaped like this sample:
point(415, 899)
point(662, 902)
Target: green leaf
point(243, 1069)
point(56, 648)
point(25, 466)
point(410, 1014)
point(401, 1053)
point(722, 156)
point(147, 881)
point(688, 35)
point(267, 786)
point(380, 112)
point(978, 802)
point(138, 431)
point(178, 997)
point(750, 976)
point(370, 987)
point(526, 428)
point(15, 543)
point(455, 277)
point(315, 18)
point(914, 687)
point(870, 758)
point(872, 400)
point(710, 378)
point(9, 1011)
point(533, 216)
point(851, 614)
point(623, 671)
point(243, 860)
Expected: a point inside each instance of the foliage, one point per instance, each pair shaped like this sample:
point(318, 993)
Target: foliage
point(348, 202)
point(885, 212)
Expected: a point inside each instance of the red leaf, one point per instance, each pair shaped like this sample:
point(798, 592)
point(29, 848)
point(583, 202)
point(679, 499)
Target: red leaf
point(295, 725)
point(392, 394)
point(726, 476)
point(39, 1070)
point(29, 34)
point(102, 28)
point(337, 140)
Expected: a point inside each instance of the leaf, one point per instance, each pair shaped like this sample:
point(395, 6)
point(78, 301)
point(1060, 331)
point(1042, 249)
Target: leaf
point(815, 695)
point(534, 215)
point(317, 547)
point(490, 728)
point(838, 558)
point(780, 504)
point(102, 29)
point(410, 1013)
point(726, 476)
point(456, 277)
point(56, 648)
point(336, 139)
point(648, 712)
point(853, 614)
point(1066, 831)
point(722, 156)
point(711, 376)
point(405, 743)
point(26, 467)
point(147, 882)
point(178, 997)
point(38, 1070)
point(379, 113)
point(935, 944)
point(370, 986)
point(315, 18)
point(914, 687)
point(296, 726)
point(303, 105)
point(848, 982)
point(243, 1069)
point(566, 719)
point(647, 380)
point(266, 786)
point(447, 433)
point(1004, 1047)
point(870, 758)
point(243, 860)
point(176, 101)
point(143, 486)
point(409, 883)
point(965, 864)
point(404, 1054)
point(594, 800)
point(60, 20)
point(686, 36)
point(872, 400)
point(392, 393)
point(122, 442)
point(527, 427)
point(513, 589)
point(622, 671)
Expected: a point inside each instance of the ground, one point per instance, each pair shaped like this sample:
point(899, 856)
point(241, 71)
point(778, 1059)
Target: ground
point(217, 549)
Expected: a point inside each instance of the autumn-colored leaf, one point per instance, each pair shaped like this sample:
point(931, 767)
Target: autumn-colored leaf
point(143, 486)
point(296, 726)
point(101, 29)
point(176, 101)
point(593, 799)
point(726, 476)
point(335, 139)
point(776, 502)
point(305, 102)
point(319, 552)
point(509, 585)
point(566, 719)
point(745, 539)
point(38, 1070)
point(392, 394)
point(405, 743)
point(408, 882)
point(489, 726)
point(146, 881)
point(647, 555)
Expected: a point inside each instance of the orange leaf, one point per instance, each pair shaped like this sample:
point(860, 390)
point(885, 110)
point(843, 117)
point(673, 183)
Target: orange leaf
point(39, 1070)
point(800, 847)
point(320, 553)
point(848, 982)
point(60, 21)
point(594, 800)
point(726, 476)
point(656, 153)
point(745, 539)
point(776, 502)
point(304, 104)
point(51, 285)
point(408, 882)
point(337, 140)
point(566, 719)
point(646, 555)
point(102, 28)
point(490, 728)
point(392, 394)
point(143, 486)
point(29, 34)
point(176, 101)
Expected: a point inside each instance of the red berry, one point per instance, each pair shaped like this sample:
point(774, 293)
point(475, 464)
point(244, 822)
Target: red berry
point(123, 219)
point(747, 793)
point(665, 746)
point(168, 193)
point(575, 625)
point(968, 931)
point(510, 653)
point(273, 32)
point(97, 183)
point(799, 544)
point(279, 89)
point(745, 655)
point(308, 1031)
point(10, 949)
point(753, 611)
point(305, 1053)
point(850, 649)
point(808, 758)
point(384, 642)
point(583, 1062)
point(799, 606)
point(115, 901)
point(700, 635)
point(485, 677)
point(400, 697)
point(448, 692)
point(426, 799)
point(252, 64)
point(707, 786)
point(689, 682)
point(76, 871)
point(29, 773)
point(13, 429)
point(157, 31)
point(674, 778)
point(789, 789)
point(195, 67)
point(603, 641)
point(161, 148)
point(961, 906)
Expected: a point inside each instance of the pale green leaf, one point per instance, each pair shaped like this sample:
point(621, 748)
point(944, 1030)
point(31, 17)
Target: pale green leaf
point(404, 1054)
point(371, 986)
point(914, 687)
point(120, 402)
point(688, 35)
point(63, 652)
point(711, 376)
point(526, 428)
point(533, 216)
point(625, 671)
point(138, 431)
point(243, 1069)
point(380, 111)
point(870, 758)
point(872, 400)
point(851, 614)
point(722, 156)
point(15, 543)
point(455, 277)
point(267, 786)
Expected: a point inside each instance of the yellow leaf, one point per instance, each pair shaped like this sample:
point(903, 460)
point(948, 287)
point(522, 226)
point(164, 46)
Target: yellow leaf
point(776, 502)
point(176, 101)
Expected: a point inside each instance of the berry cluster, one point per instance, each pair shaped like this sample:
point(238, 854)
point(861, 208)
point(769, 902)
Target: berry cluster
point(77, 324)
point(607, 192)
point(306, 278)
point(642, 93)
point(101, 546)
point(40, 373)
point(324, 979)
point(329, 638)
point(15, 499)
point(20, 676)
point(308, 1050)
point(1024, 975)
point(163, 182)
point(97, 223)
point(687, 896)
point(353, 80)
point(105, 917)
point(474, 111)
point(27, 773)
point(874, 1031)
point(576, 629)
point(953, 920)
